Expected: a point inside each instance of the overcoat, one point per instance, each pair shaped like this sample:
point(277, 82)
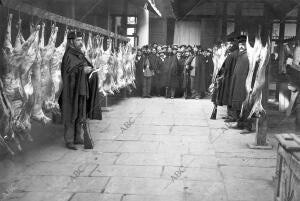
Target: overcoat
point(228, 69)
point(200, 75)
point(173, 74)
point(238, 85)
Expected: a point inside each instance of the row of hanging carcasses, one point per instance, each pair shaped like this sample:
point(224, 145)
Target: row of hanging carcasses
point(31, 81)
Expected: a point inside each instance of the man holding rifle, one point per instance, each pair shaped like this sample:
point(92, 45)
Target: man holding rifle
point(80, 96)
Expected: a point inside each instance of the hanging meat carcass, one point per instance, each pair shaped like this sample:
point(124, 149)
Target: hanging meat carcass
point(130, 66)
point(19, 39)
point(90, 50)
point(55, 70)
point(6, 119)
point(47, 85)
point(258, 56)
point(17, 81)
point(219, 56)
point(120, 61)
point(38, 113)
point(102, 67)
point(7, 74)
point(23, 62)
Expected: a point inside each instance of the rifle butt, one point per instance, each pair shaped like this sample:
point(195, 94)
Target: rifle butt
point(214, 113)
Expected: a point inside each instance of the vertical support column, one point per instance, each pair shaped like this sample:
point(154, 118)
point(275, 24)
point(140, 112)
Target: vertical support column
point(143, 27)
point(124, 18)
point(238, 16)
point(298, 27)
point(224, 20)
point(262, 121)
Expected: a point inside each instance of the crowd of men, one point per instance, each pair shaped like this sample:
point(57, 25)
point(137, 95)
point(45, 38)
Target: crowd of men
point(173, 71)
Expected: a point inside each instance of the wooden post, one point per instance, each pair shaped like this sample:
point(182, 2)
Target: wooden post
point(262, 121)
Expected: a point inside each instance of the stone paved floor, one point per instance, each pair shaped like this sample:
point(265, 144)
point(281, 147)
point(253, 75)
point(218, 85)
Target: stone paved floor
point(170, 152)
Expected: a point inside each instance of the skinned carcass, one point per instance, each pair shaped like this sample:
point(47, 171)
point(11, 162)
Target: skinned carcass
point(22, 124)
point(38, 113)
point(19, 39)
point(17, 81)
point(101, 65)
point(90, 50)
point(6, 119)
point(258, 56)
point(55, 70)
point(47, 85)
point(219, 56)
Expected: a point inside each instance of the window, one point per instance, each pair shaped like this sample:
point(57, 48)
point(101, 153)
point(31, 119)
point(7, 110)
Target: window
point(132, 40)
point(131, 31)
point(131, 20)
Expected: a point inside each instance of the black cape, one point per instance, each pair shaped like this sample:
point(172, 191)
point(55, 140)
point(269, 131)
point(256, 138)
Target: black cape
point(228, 69)
point(75, 84)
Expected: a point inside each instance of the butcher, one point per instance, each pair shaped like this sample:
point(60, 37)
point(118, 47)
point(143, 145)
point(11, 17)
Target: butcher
point(80, 97)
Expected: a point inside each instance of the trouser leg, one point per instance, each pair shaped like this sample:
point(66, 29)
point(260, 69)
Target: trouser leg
point(172, 92)
point(166, 92)
point(193, 91)
point(230, 113)
point(148, 86)
point(144, 86)
point(69, 133)
point(79, 121)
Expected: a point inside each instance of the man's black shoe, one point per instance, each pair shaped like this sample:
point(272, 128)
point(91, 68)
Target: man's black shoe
point(71, 146)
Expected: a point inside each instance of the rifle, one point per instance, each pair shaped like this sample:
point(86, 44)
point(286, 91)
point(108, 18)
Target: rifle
point(87, 137)
point(214, 95)
point(214, 112)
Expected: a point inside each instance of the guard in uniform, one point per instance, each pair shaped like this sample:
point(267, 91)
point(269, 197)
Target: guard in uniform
point(80, 97)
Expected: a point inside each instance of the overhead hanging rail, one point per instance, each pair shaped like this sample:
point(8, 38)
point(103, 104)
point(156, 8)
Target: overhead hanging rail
point(30, 10)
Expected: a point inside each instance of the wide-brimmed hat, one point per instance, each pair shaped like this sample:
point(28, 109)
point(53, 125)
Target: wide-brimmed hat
point(74, 34)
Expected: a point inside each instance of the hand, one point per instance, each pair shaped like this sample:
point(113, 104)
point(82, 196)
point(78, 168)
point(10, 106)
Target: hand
point(87, 69)
point(289, 61)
